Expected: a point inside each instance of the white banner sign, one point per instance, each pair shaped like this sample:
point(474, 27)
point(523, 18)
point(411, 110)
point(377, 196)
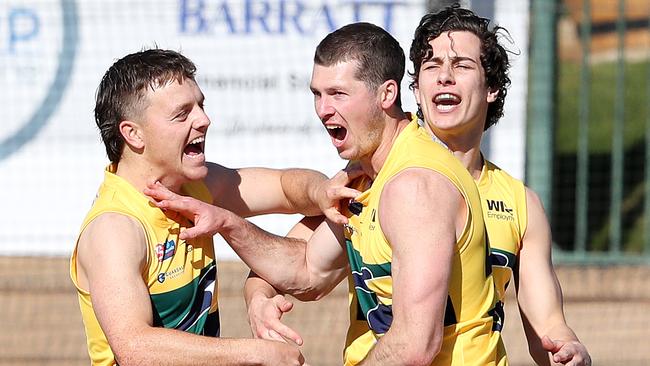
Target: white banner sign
point(254, 60)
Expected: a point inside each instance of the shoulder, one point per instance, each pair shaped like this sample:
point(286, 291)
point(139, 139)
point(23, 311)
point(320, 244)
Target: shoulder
point(533, 202)
point(497, 172)
point(418, 184)
point(112, 235)
point(498, 182)
point(112, 223)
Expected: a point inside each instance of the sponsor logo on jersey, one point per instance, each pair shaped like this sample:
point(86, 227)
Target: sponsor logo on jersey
point(165, 250)
point(171, 274)
point(498, 210)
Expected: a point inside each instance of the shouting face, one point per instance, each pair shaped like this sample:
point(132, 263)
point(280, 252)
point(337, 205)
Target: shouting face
point(451, 89)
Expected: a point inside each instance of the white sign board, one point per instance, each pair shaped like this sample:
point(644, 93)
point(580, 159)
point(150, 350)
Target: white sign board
point(254, 60)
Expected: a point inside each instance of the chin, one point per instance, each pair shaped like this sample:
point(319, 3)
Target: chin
point(197, 173)
point(346, 155)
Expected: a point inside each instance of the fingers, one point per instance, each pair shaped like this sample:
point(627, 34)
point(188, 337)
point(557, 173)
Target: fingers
point(264, 318)
point(572, 353)
point(282, 303)
point(562, 356)
point(347, 175)
point(338, 191)
point(550, 345)
point(285, 332)
point(343, 193)
point(277, 327)
point(274, 336)
point(276, 331)
point(335, 216)
point(168, 200)
point(158, 191)
point(578, 360)
point(182, 205)
point(190, 233)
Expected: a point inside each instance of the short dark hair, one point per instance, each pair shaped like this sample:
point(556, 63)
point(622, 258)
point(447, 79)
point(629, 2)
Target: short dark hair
point(494, 57)
point(121, 93)
point(379, 55)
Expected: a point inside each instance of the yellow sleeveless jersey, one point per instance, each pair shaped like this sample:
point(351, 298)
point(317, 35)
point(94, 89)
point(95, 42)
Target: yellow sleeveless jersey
point(505, 213)
point(181, 276)
point(469, 338)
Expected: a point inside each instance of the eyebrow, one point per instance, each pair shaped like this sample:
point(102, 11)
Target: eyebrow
point(455, 59)
point(178, 108)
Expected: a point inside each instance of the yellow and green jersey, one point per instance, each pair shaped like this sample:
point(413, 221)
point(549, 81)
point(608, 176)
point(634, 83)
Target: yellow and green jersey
point(505, 213)
point(469, 337)
point(181, 276)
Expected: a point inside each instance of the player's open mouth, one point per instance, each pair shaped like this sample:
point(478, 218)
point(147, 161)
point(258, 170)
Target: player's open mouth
point(446, 101)
point(195, 147)
point(337, 133)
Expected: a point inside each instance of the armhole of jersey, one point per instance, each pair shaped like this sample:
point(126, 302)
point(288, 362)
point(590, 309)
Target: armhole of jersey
point(469, 224)
point(447, 174)
point(522, 199)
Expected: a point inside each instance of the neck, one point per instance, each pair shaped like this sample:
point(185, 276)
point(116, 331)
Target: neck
point(466, 147)
point(373, 164)
point(140, 174)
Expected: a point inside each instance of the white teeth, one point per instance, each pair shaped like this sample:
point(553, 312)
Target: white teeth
point(197, 140)
point(446, 97)
point(444, 107)
point(332, 127)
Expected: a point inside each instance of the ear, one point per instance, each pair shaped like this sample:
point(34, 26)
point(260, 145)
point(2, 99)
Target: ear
point(389, 92)
point(416, 93)
point(132, 134)
point(492, 95)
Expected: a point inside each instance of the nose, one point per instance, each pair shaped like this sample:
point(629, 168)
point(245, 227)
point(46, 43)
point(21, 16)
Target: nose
point(446, 75)
point(324, 108)
point(202, 122)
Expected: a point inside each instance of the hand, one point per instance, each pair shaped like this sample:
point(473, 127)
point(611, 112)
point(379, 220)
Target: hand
point(332, 191)
point(280, 353)
point(571, 353)
point(208, 219)
point(264, 316)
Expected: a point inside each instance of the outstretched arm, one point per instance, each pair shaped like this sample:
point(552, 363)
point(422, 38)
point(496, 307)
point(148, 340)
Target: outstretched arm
point(111, 256)
point(540, 297)
point(417, 213)
point(256, 191)
point(291, 265)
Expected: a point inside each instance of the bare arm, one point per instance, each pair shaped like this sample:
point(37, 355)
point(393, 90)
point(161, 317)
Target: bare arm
point(540, 297)
point(417, 214)
point(111, 257)
point(256, 191)
point(306, 270)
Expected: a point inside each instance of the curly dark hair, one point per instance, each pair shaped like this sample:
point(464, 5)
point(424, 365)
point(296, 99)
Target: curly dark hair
point(494, 57)
point(378, 53)
point(121, 93)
